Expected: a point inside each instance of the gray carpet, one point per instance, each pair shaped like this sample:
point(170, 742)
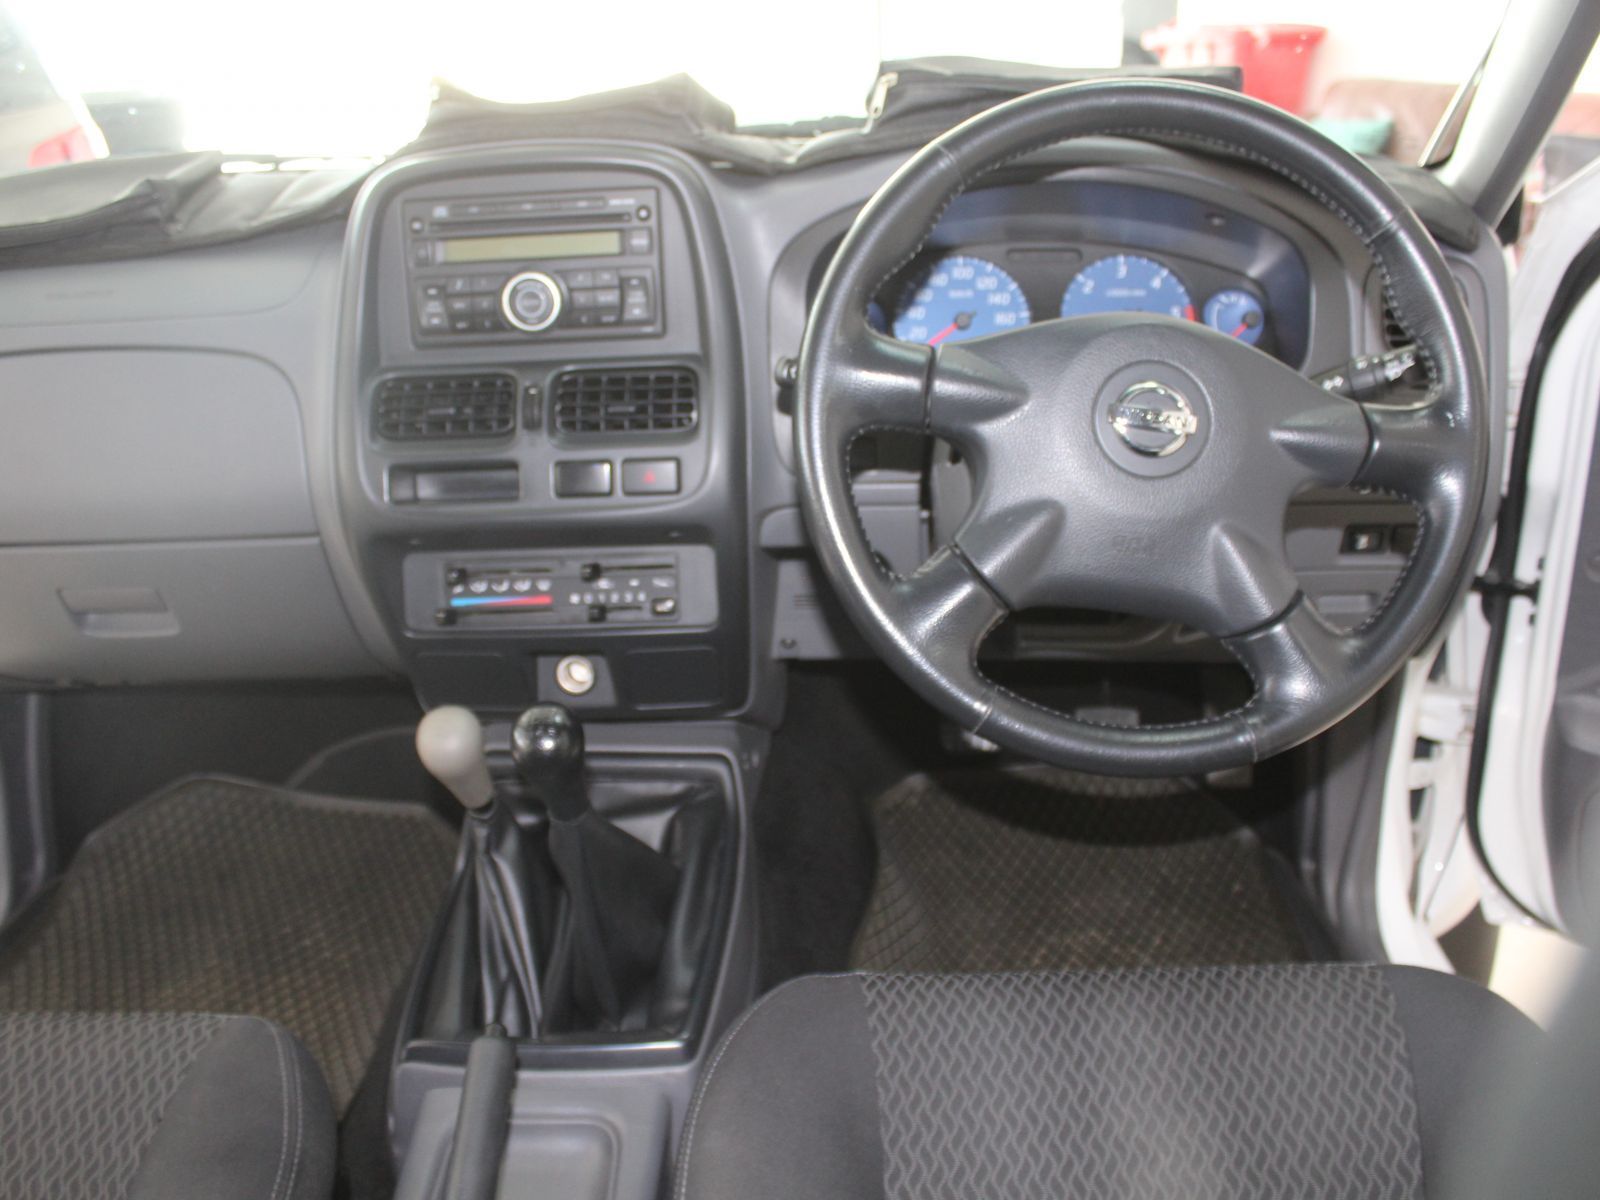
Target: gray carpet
point(1035, 868)
point(228, 897)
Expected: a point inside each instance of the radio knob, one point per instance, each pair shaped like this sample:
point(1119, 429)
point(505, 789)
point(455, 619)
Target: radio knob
point(531, 301)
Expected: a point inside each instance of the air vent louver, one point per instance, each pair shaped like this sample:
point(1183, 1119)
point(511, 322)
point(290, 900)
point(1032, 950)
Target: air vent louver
point(1394, 333)
point(640, 400)
point(446, 406)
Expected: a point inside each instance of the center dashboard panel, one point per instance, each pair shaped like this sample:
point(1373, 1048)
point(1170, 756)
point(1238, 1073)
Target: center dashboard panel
point(535, 401)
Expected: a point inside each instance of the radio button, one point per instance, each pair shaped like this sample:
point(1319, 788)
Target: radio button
point(486, 283)
point(461, 324)
point(579, 279)
point(483, 304)
point(605, 278)
point(531, 301)
point(584, 298)
point(458, 285)
point(640, 241)
point(432, 291)
point(608, 298)
point(458, 305)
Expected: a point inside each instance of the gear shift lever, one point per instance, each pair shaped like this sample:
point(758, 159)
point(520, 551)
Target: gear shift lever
point(547, 746)
point(450, 745)
point(620, 891)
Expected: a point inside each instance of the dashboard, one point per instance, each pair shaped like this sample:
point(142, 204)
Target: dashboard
point(520, 427)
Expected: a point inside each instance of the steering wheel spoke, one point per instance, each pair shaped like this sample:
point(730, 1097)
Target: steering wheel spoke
point(1416, 451)
point(942, 612)
point(875, 382)
point(1326, 434)
point(1292, 657)
point(969, 393)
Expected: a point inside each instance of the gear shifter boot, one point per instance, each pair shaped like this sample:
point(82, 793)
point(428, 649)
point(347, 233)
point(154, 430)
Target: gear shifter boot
point(620, 892)
point(499, 883)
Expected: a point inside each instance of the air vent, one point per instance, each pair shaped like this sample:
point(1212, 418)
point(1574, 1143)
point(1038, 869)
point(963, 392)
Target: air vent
point(642, 400)
point(412, 408)
point(1394, 333)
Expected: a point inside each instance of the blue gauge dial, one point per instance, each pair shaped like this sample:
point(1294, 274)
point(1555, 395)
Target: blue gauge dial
point(960, 297)
point(1126, 283)
point(1236, 313)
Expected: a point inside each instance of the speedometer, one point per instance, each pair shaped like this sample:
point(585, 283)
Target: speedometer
point(1126, 283)
point(960, 297)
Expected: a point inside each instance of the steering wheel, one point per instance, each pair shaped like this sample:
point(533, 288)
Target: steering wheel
point(1139, 463)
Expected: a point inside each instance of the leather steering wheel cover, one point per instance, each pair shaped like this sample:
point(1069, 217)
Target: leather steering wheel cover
point(1305, 697)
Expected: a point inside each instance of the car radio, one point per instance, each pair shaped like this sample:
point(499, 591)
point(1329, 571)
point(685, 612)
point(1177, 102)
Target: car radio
point(543, 265)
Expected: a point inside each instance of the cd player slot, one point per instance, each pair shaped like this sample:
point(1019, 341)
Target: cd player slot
point(487, 224)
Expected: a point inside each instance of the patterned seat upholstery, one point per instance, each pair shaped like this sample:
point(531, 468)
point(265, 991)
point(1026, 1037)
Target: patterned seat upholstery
point(1328, 1081)
point(106, 1105)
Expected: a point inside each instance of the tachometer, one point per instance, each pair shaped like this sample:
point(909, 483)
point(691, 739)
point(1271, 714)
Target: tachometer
point(960, 297)
point(1126, 283)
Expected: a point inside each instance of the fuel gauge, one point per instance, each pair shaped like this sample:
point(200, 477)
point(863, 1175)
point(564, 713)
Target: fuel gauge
point(1236, 313)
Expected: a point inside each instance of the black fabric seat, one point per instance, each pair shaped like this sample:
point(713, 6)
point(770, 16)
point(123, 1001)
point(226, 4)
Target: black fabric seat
point(1328, 1081)
point(175, 1106)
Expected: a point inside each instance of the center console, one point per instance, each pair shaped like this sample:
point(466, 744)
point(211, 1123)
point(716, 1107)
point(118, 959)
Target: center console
point(540, 431)
point(598, 931)
point(540, 472)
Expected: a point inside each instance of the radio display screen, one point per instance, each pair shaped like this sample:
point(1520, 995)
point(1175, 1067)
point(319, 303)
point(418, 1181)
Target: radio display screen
point(587, 243)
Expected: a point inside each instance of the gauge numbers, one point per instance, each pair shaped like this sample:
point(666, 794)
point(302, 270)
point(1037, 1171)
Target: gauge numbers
point(960, 297)
point(1126, 283)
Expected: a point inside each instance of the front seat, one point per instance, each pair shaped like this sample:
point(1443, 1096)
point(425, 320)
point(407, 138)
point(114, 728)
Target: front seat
point(1328, 1081)
point(108, 1105)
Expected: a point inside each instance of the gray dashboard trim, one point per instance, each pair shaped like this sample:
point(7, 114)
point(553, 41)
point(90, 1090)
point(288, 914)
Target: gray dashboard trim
point(113, 444)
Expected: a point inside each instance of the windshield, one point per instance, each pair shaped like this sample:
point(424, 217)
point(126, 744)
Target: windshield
point(353, 77)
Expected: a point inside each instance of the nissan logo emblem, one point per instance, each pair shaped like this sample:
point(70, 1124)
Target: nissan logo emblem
point(1153, 419)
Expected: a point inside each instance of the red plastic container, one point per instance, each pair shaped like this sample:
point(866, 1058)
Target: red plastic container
point(1275, 59)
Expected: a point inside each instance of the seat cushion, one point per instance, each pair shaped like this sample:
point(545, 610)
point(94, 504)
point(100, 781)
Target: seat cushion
point(1335, 1081)
point(172, 1105)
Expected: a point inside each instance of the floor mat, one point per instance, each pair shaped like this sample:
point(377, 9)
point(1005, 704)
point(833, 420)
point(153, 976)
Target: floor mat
point(224, 896)
point(1036, 868)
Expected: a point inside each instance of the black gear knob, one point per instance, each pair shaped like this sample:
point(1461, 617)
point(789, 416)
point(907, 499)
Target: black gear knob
point(547, 747)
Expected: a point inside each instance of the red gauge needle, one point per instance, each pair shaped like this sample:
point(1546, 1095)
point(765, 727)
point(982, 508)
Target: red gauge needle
point(962, 321)
point(1240, 332)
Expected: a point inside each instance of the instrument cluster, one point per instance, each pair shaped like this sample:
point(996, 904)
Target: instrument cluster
point(970, 292)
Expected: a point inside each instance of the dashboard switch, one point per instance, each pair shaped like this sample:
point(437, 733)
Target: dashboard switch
point(582, 477)
point(650, 477)
point(1364, 539)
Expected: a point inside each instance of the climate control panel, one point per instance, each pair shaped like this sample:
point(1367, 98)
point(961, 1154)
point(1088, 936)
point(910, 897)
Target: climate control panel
point(594, 592)
point(593, 589)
